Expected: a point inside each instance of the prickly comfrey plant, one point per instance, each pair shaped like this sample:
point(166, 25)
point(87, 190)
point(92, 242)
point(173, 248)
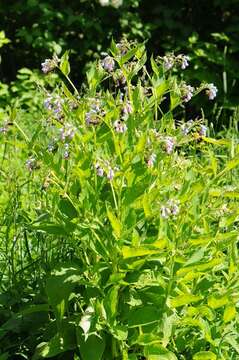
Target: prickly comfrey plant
point(143, 201)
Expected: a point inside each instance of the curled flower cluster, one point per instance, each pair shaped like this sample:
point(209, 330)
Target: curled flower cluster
point(31, 164)
point(66, 153)
point(186, 92)
point(67, 133)
point(92, 117)
point(127, 109)
point(103, 168)
point(50, 64)
point(4, 128)
point(169, 144)
point(120, 126)
point(203, 130)
point(151, 160)
point(54, 104)
point(187, 127)
point(211, 91)
point(169, 61)
point(108, 63)
point(170, 209)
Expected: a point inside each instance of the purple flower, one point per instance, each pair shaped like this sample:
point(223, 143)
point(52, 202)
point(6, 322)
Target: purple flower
point(67, 133)
point(108, 63)
point(184, 61)
point(127, 109)
point(31, 164)
point(169, 145)
point(187, 92)
point(110, 174)
point(203, 130)
point(151, 160)
point(99, 170)
point(168, 62)
point(91, 117)
point(49, 64)
point(211, 91)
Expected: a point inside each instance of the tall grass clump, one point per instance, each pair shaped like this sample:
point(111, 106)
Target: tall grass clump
point(119, 218)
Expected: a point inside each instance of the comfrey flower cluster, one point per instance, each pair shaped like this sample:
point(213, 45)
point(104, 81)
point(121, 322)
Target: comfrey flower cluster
point(67, 133)
point(50, 64)
point(120, 126)
point(92, 117)
point(4, 128)
point(169, 61)
point(169, 143)
point(195, 127)
point(55, 105)
point(170, 209)
point(186, 92)
point(104, 169)
point(151, 160)
point(203, 130)
point(211, 91)
point(108, 63)
point(31, 164)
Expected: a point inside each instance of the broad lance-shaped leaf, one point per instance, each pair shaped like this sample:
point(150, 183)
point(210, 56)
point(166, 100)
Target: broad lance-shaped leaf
point(144, 250)
point(216, 302)
point(148, 314)
point(183, 300)
point(158, 352)
point(115, 223)
point(64, 65)
point(58, 289)
point(229, 313)
point(204, 355)
point(92, 348)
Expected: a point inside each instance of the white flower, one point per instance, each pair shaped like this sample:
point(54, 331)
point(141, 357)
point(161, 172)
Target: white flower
point(187, 92)
point(120, 126)
point(169, 144)
point(104, 2)
point(211, 91)
point(116, 3)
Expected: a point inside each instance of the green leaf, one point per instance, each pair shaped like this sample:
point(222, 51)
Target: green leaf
point(183, 300)
point(67, 208)
point(229, 313)
point(216, 302)
point(61, 342)
point(158, 352)
point(143, 316)
point(129, 252)
point(58, 289)
point(204, 355)
point(115, 223)
point(196, 257)
point(64, 64)
point(111, 302)
point(92, 348)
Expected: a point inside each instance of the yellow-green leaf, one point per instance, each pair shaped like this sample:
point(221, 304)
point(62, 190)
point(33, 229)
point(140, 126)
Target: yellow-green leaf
point(229, 313)
point(129, 252)
point(204, 355)
point(183, 300)
point(217, 302)
point(115, 223)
